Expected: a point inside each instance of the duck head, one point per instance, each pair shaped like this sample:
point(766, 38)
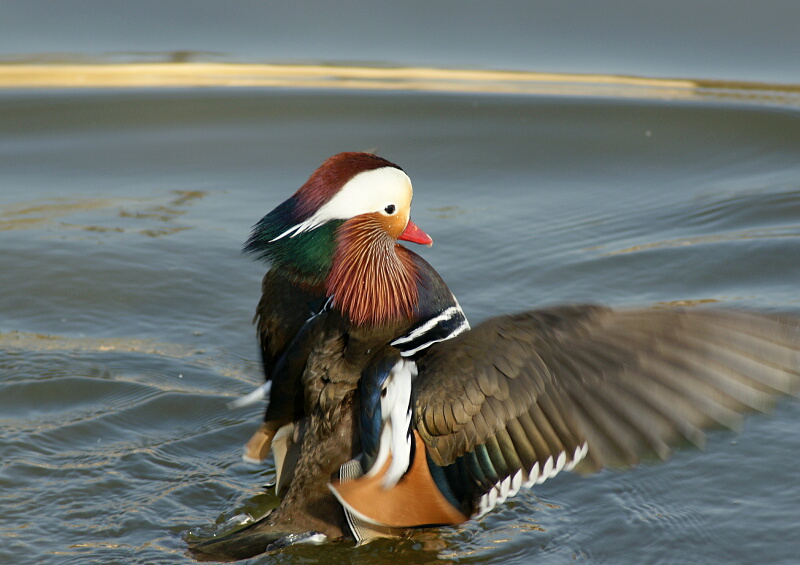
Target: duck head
point(339, 233)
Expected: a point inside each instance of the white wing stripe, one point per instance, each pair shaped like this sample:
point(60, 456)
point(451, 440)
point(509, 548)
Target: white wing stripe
point(446, 315)
point(459, 330)
point(511, 485)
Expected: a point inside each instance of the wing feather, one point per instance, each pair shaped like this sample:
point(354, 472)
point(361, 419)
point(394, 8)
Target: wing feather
point(520, 397)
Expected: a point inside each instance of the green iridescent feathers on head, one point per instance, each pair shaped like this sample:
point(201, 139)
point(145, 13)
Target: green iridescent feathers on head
point(305, 256)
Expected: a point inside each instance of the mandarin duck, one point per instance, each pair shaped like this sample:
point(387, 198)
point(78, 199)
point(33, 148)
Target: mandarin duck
point(397, 415)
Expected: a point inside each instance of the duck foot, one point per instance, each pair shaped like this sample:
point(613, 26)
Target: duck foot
point(311, 538)
point(249, 541)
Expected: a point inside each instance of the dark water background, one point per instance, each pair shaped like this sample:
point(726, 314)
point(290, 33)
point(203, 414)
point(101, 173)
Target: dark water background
point(125, 304)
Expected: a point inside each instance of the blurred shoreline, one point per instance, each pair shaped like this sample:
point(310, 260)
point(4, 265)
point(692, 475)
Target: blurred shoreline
point(213, 74)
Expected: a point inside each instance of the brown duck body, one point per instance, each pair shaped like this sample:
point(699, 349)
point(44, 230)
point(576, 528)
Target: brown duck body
point(323, 436)
point(316, 364)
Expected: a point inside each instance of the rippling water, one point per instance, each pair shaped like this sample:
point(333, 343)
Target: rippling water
point(125, 304)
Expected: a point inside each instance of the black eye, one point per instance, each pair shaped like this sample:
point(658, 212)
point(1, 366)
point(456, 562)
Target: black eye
point(390, 209)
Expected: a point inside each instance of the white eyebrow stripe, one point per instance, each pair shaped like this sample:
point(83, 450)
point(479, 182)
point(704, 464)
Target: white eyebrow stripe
point(368, 191)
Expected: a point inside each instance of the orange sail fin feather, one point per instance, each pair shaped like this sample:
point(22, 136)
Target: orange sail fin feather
point(414, 501)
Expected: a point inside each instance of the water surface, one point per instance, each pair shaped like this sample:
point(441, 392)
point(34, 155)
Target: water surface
point(125, 304)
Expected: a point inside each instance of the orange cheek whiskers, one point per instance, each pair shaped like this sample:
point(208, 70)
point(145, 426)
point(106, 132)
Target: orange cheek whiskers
point(369, 281)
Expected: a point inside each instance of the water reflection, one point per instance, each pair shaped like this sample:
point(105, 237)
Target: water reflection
point(51, 213)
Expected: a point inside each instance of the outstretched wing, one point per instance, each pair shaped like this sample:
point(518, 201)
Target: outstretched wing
point(522, 397)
